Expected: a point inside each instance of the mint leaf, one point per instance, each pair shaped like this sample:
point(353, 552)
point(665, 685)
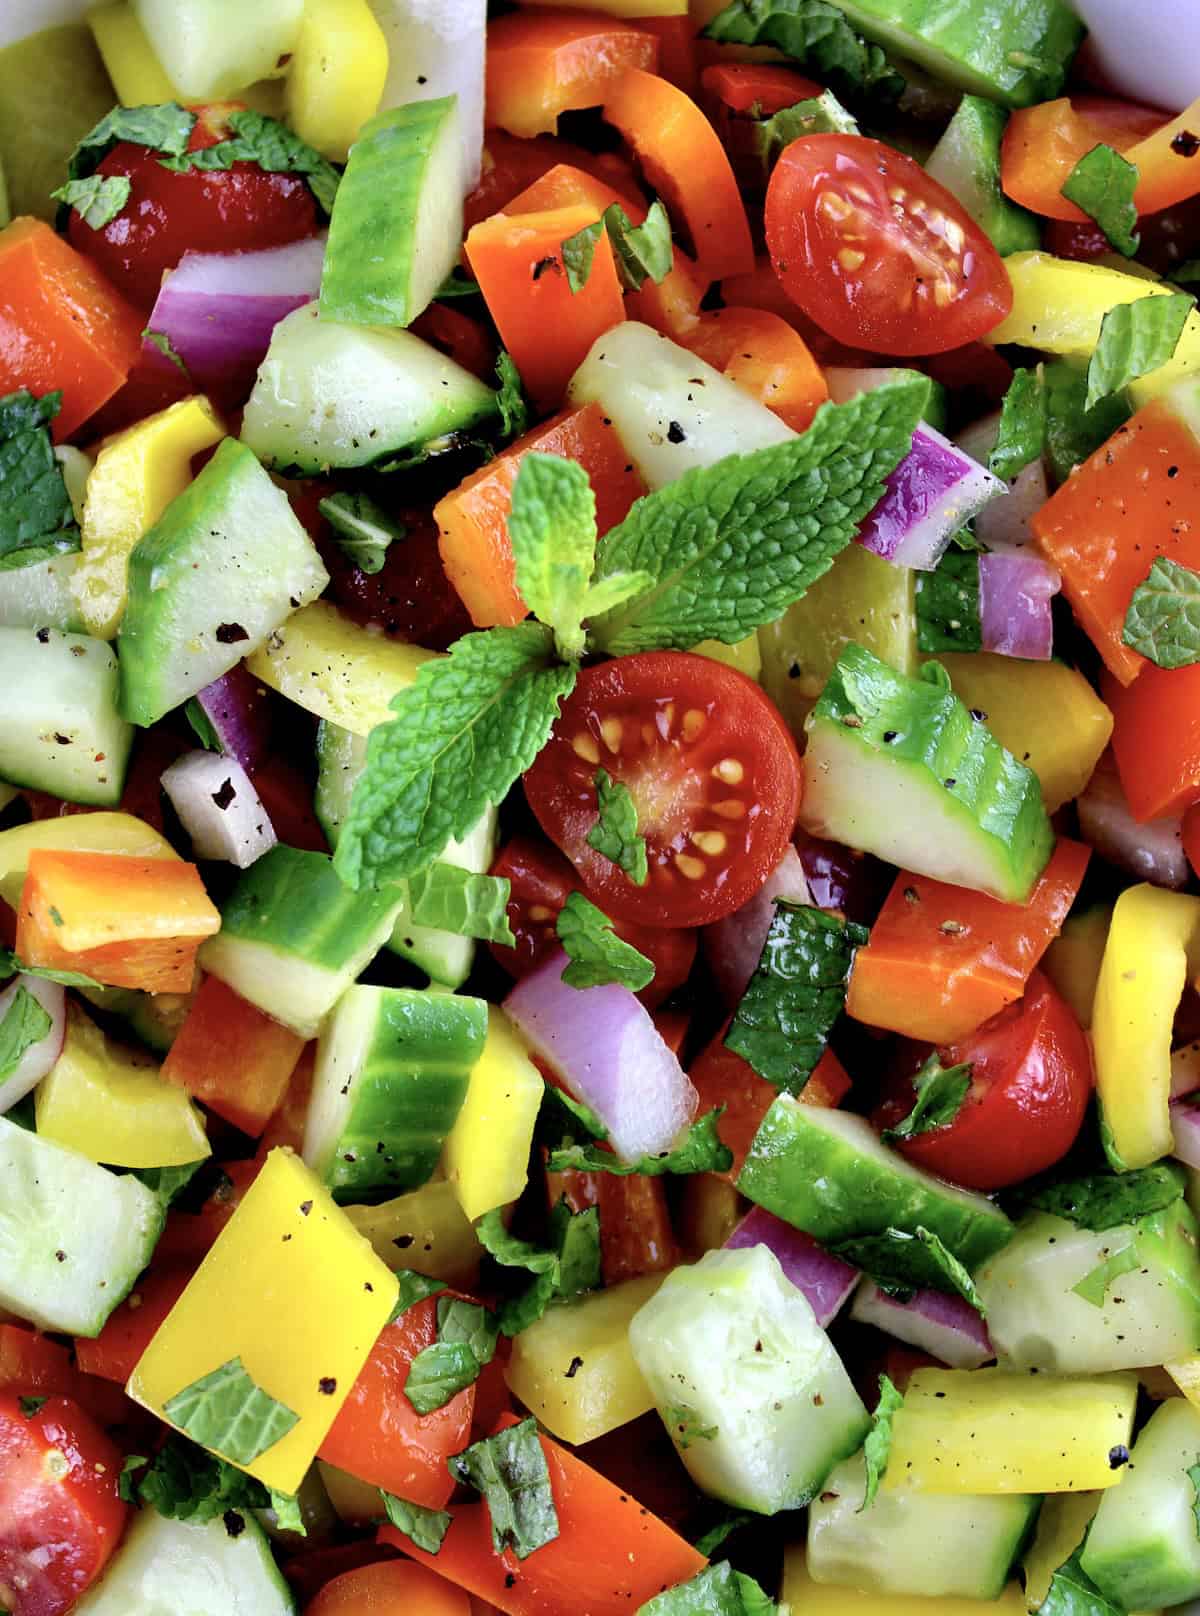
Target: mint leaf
point(560, 1112)
point(615, 833)
point(269, 143)
point(572, 1266)
point(614, 590)
point(820, 115)
point(423, 1526)
point(1193, 1475)
point(1022, 434)
point(1102, 184)
point(1135, 338)
point(414, 1287)
point(718, 1590)
point(183, 1483)
point(902, 1263)
point(576, 1237)
point(10, 965)
point(578, 253)
point(817, 36)
point(732, 545)
point(438, 1373)
point(552, 527)
point(717, 1534)
point(878, 1444)
point(754, 1601)
point(229, 1413)
point(597, 955)
point(701, 1152)
point(25, 1023)
point(947, 604)
point(1101, 1201)
point(510, 400)
point(201, 725)
point(470, 1323)
point(1163, 618)
point(288, 1515)
point(683, 1422)
point(29, 1406)
point(510, 1251)
point(1073, 433)
point(126, 1486)
point(941, 1091)
point(97, 201)
point(364, 529)
point(509, 1470)
point(1093, 1287)
point(449, 898)
point(457, 284)
point(472, 722)
point(643, 251)
point(795, 995)
point(1073, 1593)
point(169, 1182)
point(165, 128)
point(36, 518)
point(161, 341)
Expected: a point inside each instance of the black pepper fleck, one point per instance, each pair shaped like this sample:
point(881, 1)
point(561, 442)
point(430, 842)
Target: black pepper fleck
point(327, 1385)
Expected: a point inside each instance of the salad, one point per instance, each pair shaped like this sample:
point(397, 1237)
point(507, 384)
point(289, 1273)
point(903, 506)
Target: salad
point(599, 811)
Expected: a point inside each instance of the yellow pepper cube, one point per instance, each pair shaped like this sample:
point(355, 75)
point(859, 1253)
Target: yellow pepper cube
point(336, 75)
point(808, 1598)
point(486, 1154)
point(75, 833)
point(294, 1291)
point(426, 1230)
point(1073, 960)
point(136, 72)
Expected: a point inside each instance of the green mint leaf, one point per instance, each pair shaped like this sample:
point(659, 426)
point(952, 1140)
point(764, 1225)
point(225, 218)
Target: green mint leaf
point(683, 1422)
point(1193, 1475)
point(560, 1112)
point(941, 1091)
point(25, 1023)
point(508, 1250)
point(576, 1237)
point(643, 251)
point(1073, 433)
point(573, 1265)
point(966, 541)
point(615, 833)
point(449, 898)
point(97, 201)
point(36, 517)
point(613, 591)
point(10, 965)
point(817, 36)
point(795, 995)
point(29, 1406)
point(1102, 184)
point(414, 1287)
point(201, 725)
point(269, 143)
point(227, 1412)
point(1101, 1201)
point(878, 1445)
point(457, 284)
point(718, 1590)
point(161, 341)
point(702, 1151)
point(509, 1470)
point(597, 955)
point(510, 400)
point(578, 254)
point(169, 1182)
point(820, 115)
point(902, 1263)
point(732, 545)
point(1073, 1593)
point(438, 1373)
point(166, 129)
point(288, 1515)
point(363, 529)
point(126, 1486)
point(1135, 338)
point(1022, 434)
point(1093, 1287)
point(754, 1601)
point(472, 722)
point(552, 527)
point(470, 1323)
point(716, 1535)
point(423, 1526)
point(947, 604)
point(1163, 619)
point(184, 1483)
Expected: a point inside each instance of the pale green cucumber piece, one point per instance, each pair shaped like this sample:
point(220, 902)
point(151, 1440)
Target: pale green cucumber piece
point(73, 1236)
point(1143, 1549)
point(397, 224)
point(1149, 1314)
point(828, 1173)
point(342, 395)
point(210, 48)
point(225, 564)
point(966, 160)
point(293, 938)
point(731, 1347)
point(906, 1542)
point(897, 766)
point(53, 89)
point(391, 1074)
point(181, 1568)
point(60, 729)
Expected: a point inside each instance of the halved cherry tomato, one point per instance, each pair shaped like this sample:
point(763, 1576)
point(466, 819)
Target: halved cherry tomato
point(712, 770)
point(1031, 1079)
point(60, 1512)
point(876, 252)
point(1042, 144)
point(410, 597)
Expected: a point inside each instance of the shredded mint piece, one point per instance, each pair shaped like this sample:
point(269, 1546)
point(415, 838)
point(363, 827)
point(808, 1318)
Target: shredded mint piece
point(615, 833)
point(414, 1287)
point(1073, 1593)
point(902, 1263)
point(578, 254)
point(269, 143)
point(1093, 1287)
point(820, 115)
point(597, 955)
point(718, 1590)
point(1073, 432)
point(643, 251)
point(438, 1373)
point(1135, 339)
point(25, 1023)
point(683, 1422)
point(940, 1091)
point(36, 517)
point(1163, 619)
point(817, 36)
point(169, 1182)
point(878, 1445)
point(509, 1470)
point(288, 1514)
point(183, 1483)
point(126, 1486)
point(509, 1250)
point(716, 1535)
point(425, 1527)
point(161, 341)
point(449, 898)
point(701, 1152)
point(202, 726)
point(947, 604)
point(470, 1323)
point(552, 527)
point(364, 529)
point(457, 284)
point(510, 400)
point(572, 1266)
point(229, 1413)
point(1022, 434)
point(29, 1406)
point(1102, 184)
point(165, 128)
point(97, 201)
point(1102, 1201)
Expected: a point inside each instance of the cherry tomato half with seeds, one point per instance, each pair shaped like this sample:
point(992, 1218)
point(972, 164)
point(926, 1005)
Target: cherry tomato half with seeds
point(876, 252)
point(712, 769)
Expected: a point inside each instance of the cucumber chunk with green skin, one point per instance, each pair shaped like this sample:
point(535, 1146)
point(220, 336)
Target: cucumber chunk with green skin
point(966, 160)
point(40, 596)
point(225, 564)
point(906, 1542)
point(731, 1349)
point(897, 766)
point(827, 1172)
point(332, 395)
point(293, 938)
point(1143, 1550)
point(60, 729)
point(73, 1236)
point(391, 1074)
point(1144, 1307)
point(397, 224)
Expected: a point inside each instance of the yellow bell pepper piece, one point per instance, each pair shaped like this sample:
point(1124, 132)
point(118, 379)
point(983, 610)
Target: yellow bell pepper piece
point(808, 1598)
point(327, 664)
point(744, 655)
point(136, 72)
point(1062, 1522)
point(1073, 960)
point(292, 1289)
point(1058, 305)
point(487, 1151)
point(1142, 977)
point(605, 1389)
point(75, 833)
point(336, 76)
point(426, 1230)
point(708, 1209)
point(1046, 714)
point(110, 1104)
point(1185, 1372)
point(995, 1431)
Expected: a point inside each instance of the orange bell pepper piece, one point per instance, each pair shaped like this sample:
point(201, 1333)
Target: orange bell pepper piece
point(1156, 739)
point(232, 1058)
point(541, 63)
point(671, 306)
point(61, 324)
point(128, 922)
point(473, 518)
point(389, 1588)
point(942, 959)
point(758, 89)
point(1042, 144)
point(766, 356)
point(510, 165)
point(677, 58)
point(565, 186)
point(287, 1125)
point(114, 1352)
point(31, 1365)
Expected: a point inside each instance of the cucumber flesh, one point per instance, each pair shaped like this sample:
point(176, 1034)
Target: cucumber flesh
point(210, 48)
point(40, 596)
point(966, 160)
point(60, 730)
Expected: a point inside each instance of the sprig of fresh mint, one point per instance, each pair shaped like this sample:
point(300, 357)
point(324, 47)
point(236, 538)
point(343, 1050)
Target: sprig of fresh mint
point(597, 955)
point(552, 529)
point(1163, 618)
point(1102, 184)
point(1135, 339)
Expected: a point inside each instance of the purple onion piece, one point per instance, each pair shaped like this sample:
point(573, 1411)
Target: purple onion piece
point(934, 490)
point(947, 1327)
point(826, 1280)
point(1016, 588)
point(1185, 1125)
point(1152, 851)
point(732, 946)
point(239, 710)
point(840, 877)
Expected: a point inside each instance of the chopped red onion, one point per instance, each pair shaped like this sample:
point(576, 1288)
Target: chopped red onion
point(1005, 523)
point(1016, 588)
point(1185, 1125)
point(602, 1045)
point(946, 1327)
point(826, 1281)
point(932, 493)
point(1152, 851)
point(733, 945)
point(239, 709)
point(1185, 1069)
point(219, 808)
point(40, 1057)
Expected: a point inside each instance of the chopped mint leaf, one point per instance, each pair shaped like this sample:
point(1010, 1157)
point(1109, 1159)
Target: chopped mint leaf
point(578, 254)
point(449, 898)
point(1193, 1475)
point(1073, 432)
point(817, 36)
point(1093, 1287)
point(576, 1237)
point(947, 604)
point(29, 1406)
point(1163, 619)
point(560, 1112)
point(796, 994)
point(878, 1444)
point(823, 114)
point(754, 1601)
point(572, 1266)
point(1073, 1593)
point(126, 1486)
point(269, 143)
point(701, 1152)
point(683, 1422)
point(1187, 273)
point(615, 833)
point(414, 1287)
point(169, 1182)
point(425, 1527)
point(509, 1470)
point(25, 1023)
point(716, 1535)
point(202, 726)
point(97, 201)
point(643, 251)
point(1135, 339)
point(438, 1373)
point(718, 1590)
point(161, 341)
point(364, 529)
point(165, 128)
point(940, 1091)
point(36, 517)
point(597, 955)
point(510, 1251)
point(287, 1511)
point(1102, 1201)
point(1022, 434)
point(457, 284)
point(552, 527)
point(510, 401)
point(470, 1323)
point(902, 1263)
point(1102, 184)
point(227, 1412)
point(186, 1484)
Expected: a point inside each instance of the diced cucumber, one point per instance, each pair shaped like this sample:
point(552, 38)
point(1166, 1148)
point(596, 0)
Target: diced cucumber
point(40, 596)
point(1148, 1310)
point(210, 48)
point(293, 938)
point(1144, 1549)
point(225, 564)
point(898, 766)
point(966, 160)
point(391, 1074)
point(397, 224)
point(732, 1352)
point(343, 395)
point(906, 1542)
point(73, 1236)
point(827, 1172)
point(182, 1568)
point(60, 730)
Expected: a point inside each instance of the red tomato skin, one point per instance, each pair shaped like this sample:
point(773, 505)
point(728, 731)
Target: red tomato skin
point(663, 723)
point(61, 1515)
point(1030, 1085)
point(866, 269)
point(410, 597)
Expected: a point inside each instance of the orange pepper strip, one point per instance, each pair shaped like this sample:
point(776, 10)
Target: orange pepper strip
point(765, 355)
point(565, 186)
point(61, 324)
point(287, 1126)
point(33, 1365)
point(672, 306)
point(1042, 144)
point(747, 86)
point(541, 63)
point(1156, 739)
point(389, 1588)
point(1166, 162)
